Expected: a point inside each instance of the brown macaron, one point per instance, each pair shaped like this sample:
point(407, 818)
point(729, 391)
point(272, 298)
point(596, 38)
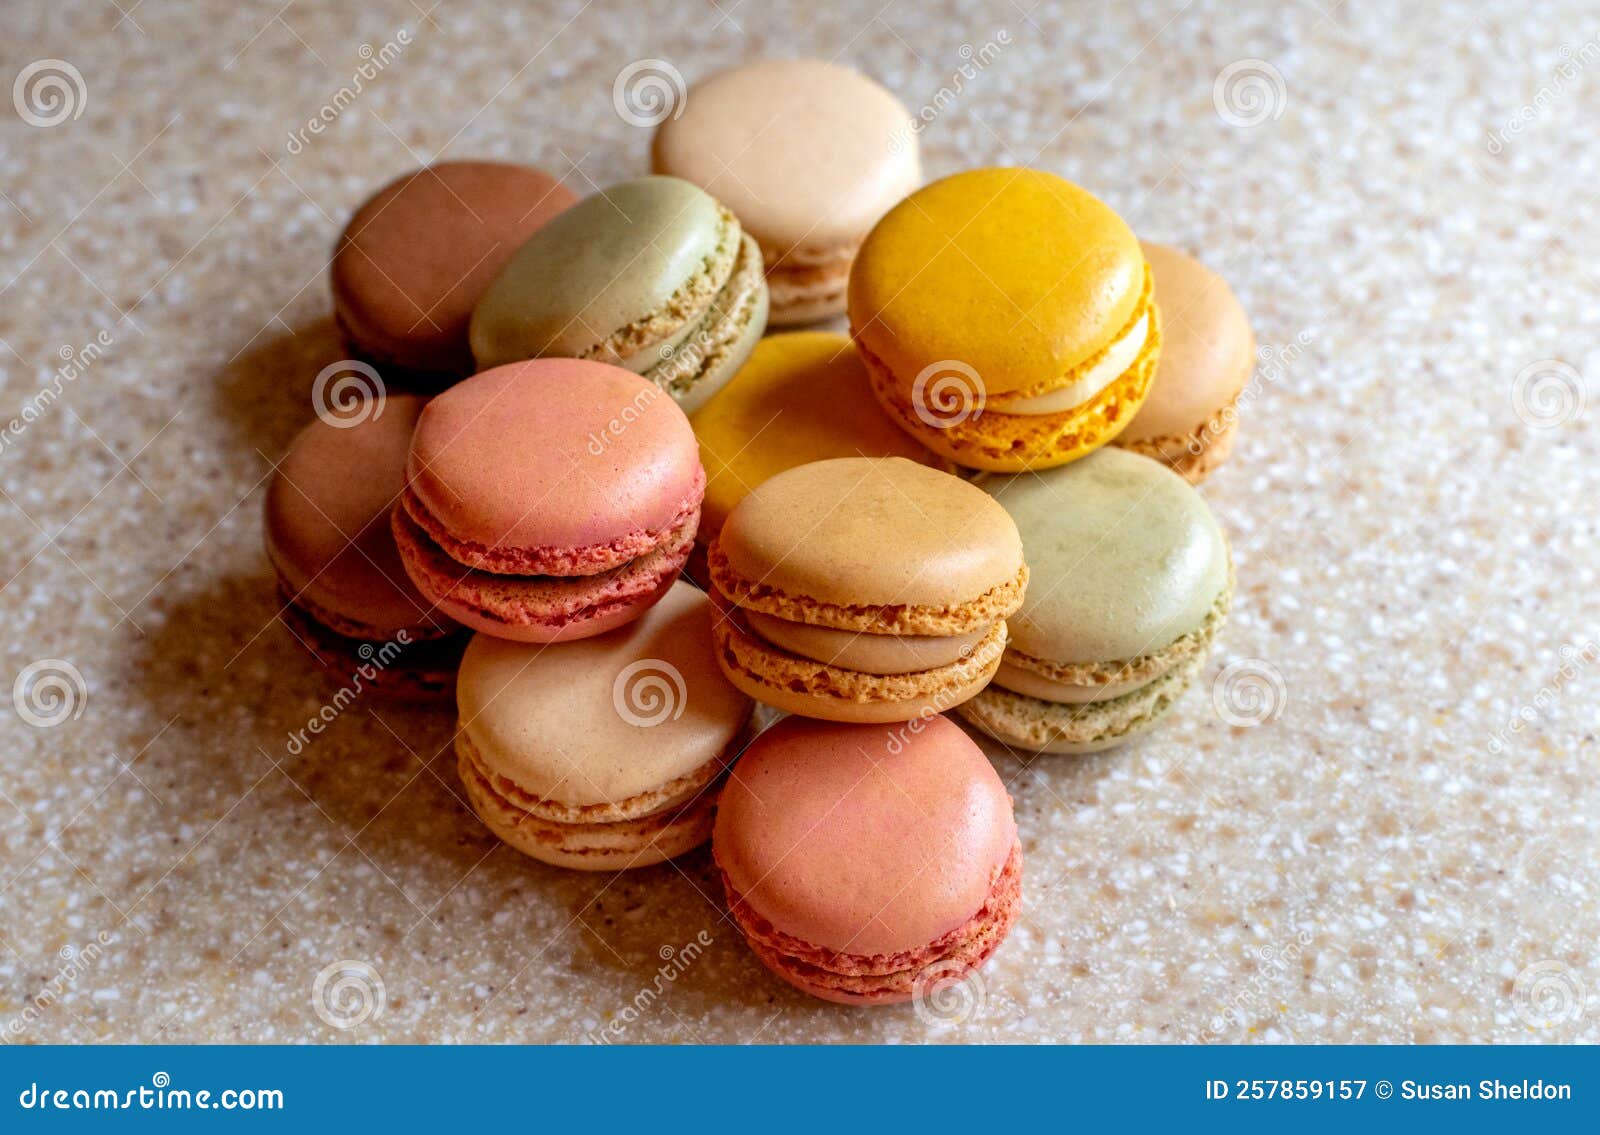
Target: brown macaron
point(413, 261)
point(346, 597)
point(1207, 356)
point(865, 589)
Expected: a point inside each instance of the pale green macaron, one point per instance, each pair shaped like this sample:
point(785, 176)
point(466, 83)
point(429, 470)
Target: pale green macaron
point(654, 275)
point(1129, 581)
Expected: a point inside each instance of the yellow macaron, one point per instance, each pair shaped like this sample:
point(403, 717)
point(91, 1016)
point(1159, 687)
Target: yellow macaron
point(1007, 319)
point(802, 397)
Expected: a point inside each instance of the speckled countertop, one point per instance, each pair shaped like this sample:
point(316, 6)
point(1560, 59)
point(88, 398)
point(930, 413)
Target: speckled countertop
point(1374, 817)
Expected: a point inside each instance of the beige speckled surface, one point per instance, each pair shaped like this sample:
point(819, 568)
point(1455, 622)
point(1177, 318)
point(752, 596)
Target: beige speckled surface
point(1380, 859)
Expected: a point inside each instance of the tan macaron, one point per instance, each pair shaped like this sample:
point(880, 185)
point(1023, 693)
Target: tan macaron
point(808, 155)
point(865, 590)
point(604, 753)
point(1207, 356)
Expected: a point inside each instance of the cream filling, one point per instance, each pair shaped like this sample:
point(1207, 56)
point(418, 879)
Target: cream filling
point(1020, 680)
point(1117, 360)
point(866, 653)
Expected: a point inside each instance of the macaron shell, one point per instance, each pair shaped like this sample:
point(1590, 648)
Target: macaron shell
point(872, 532)
point(727, 346)
point(815, 689)
point(1124, 558)
point(1207, 353)
point(327, 522)
point(608, 718)
point(616, 258)
point(1030, 724)
point(1015, 273)
point(863, 839)
point(541, 608)
point(802, 396)
point(423, 669)
point(807, 154)
point(417, 256)
point(553, 455)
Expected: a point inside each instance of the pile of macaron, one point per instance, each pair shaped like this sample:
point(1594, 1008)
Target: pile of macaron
point(594, 502)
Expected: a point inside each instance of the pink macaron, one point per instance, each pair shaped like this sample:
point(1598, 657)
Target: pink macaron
point(549, 500)
point(869, 864)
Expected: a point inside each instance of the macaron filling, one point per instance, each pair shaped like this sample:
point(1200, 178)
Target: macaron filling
point(1112, 364)
point(864, 651)
point(721, 339)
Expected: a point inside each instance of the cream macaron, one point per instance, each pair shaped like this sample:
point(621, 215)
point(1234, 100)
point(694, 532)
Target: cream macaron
point(604, 753)
point(808, 155)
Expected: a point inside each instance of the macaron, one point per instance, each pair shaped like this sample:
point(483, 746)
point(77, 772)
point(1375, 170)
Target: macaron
point(415, 259)
point(1208, 352)
point(654, 275)
point(802, 397)
point(1131, 582)
point(549, 500)
point(602, 754)
point(866, 865)
point(1007, 319)
point(808, 155)
point(345, 595)
point(864, 589)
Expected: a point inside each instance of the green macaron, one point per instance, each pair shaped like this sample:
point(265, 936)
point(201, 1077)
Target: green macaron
point(1129, 581)
point(654, 275)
